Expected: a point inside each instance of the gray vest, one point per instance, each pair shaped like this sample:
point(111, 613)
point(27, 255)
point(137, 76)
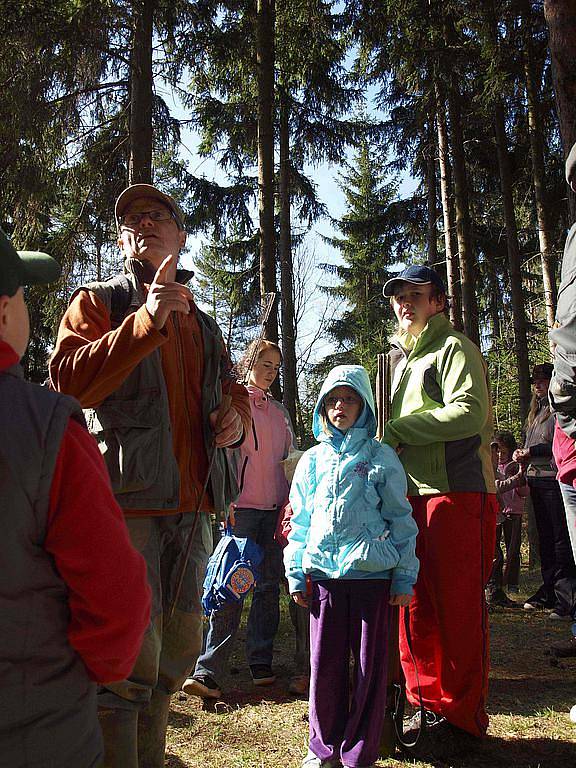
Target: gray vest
point(47, 701)
point(132, 426)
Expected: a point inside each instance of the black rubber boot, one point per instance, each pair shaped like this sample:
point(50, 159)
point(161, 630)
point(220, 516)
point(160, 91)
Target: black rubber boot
point(119, 731)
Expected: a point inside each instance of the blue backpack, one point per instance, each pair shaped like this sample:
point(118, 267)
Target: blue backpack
point(232, 571)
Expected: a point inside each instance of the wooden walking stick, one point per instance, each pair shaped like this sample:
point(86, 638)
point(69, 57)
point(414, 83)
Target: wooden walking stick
point(395, 682)
point(269, 299)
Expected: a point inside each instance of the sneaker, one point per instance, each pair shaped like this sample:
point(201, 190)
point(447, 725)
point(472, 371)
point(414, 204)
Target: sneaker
point(563, 650)
point(262, 674)
point(299, 685)
point(559, 615)
point(312, 761)
point(202, 686)
point(538, 602)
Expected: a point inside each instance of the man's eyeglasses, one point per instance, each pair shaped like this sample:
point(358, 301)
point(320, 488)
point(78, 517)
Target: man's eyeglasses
point(133, 219)
point(331, 402)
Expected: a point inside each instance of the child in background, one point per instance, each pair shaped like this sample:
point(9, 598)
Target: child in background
point(75, 602)
point(263, 490)
point(511, 489)
point(299, 615)
point(352, 532)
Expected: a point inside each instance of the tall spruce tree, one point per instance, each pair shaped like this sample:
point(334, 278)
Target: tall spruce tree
point(370, 236)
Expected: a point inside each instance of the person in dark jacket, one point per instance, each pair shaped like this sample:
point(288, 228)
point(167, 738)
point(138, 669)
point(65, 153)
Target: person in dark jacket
point(556, 560)
point(152, 371)
point(68, 620)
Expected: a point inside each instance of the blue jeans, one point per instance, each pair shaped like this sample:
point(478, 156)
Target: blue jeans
point(569, 496)
point(264, 617)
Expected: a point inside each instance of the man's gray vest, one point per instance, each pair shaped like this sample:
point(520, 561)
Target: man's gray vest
point(132, 425)
point(47, 701)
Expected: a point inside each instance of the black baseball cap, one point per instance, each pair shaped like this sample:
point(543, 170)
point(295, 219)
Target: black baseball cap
point(419, 274)
point(24, 267)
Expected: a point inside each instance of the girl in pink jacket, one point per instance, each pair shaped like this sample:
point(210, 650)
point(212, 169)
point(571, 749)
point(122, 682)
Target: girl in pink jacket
point(263, 491)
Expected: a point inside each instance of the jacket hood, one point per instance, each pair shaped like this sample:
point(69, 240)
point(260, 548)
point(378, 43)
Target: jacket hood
point(354, 376)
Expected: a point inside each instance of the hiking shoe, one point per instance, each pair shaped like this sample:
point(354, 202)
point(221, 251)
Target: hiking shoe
point(439, 740)
point(299, 685)
point(262, 674)
point(563, 650)
point(202, 686)
point(312, 761)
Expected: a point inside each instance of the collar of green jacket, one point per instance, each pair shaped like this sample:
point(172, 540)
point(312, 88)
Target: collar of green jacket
point(437, 325)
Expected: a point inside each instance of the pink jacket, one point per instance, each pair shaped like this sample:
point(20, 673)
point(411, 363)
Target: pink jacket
point(261, 478)
point(564, 450)
point(513, 499)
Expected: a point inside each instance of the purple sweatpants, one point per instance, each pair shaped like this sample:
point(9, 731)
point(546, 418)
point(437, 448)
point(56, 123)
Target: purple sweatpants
point(348, 616)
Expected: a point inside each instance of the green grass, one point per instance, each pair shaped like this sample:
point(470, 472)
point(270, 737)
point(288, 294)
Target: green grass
point(528, 705)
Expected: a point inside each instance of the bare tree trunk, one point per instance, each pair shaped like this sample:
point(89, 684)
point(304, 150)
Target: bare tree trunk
point(538, 172)
point(452, 266)
point(265, 23)
point(141, 92)
point(561, 19)
point(514, 262)
point(432, 230)
point(463, 223)
point(286, 271)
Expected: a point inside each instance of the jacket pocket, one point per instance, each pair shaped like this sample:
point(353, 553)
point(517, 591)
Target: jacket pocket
point(375, 555)
point(129, 436)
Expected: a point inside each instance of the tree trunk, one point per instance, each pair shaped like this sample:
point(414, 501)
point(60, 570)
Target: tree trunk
point(452, 266)
point(463, 223)
point(514, 262)
point(141, 92)
point(286, 271)
point(561, 19)
point(538, 172)
point(265, 65)
point(432, 231)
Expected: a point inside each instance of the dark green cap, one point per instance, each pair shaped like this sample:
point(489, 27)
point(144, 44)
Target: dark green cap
point(24, 267)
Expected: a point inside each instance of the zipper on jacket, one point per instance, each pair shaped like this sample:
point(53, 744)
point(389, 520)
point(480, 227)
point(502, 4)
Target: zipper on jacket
point(241, 484)
point(180, 353)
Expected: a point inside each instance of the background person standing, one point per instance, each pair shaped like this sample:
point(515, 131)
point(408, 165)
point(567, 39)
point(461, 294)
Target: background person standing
point(556, 592)
point(263, 490)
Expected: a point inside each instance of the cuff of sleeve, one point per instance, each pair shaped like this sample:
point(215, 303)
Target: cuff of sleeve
point(402, 586)
point(147, 324)
point(296, 583)
point(389, 438)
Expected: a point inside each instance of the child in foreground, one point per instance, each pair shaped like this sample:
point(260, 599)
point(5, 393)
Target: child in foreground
point(354, 537)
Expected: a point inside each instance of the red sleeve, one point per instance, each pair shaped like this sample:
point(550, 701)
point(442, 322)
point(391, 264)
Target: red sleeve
point(108, 590)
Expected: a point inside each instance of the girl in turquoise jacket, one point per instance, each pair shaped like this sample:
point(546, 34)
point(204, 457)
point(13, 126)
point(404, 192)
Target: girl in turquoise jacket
point(350, 554)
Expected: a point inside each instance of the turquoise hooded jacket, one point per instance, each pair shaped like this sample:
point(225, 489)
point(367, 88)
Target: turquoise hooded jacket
point(351, 517)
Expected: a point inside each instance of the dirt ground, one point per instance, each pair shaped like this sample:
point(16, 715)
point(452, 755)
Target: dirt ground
point(529, 700)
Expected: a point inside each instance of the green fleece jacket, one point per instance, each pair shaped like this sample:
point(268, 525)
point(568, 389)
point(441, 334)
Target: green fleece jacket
point(441, 414)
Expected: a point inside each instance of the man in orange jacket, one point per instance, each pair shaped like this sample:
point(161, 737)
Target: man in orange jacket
point(151, 369)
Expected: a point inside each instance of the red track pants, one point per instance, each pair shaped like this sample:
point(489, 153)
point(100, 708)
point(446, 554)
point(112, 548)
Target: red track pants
point(448, 617)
